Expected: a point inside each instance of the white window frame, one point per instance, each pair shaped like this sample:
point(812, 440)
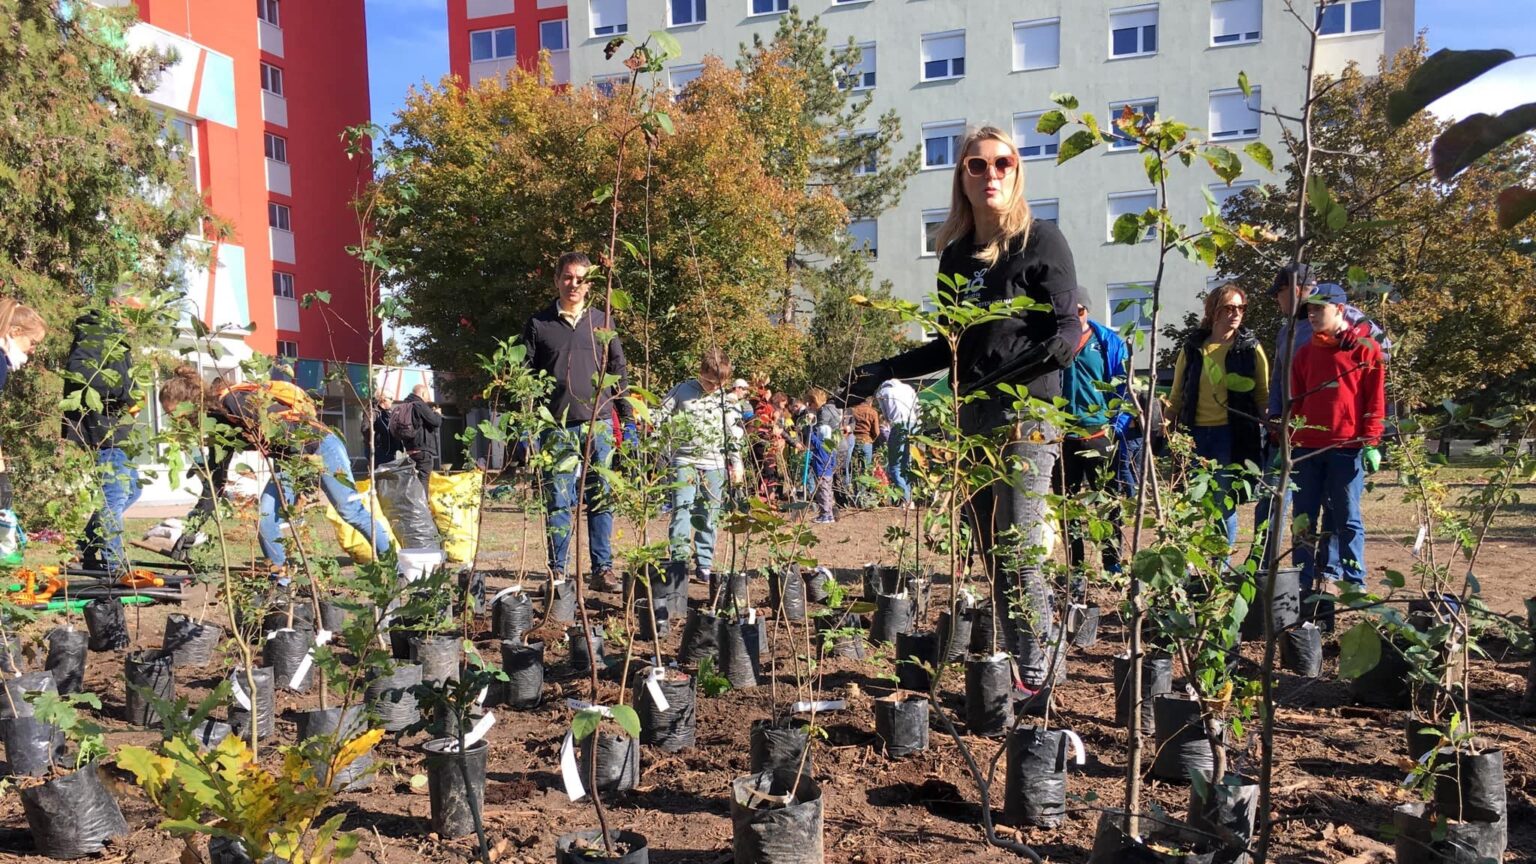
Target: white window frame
point(1241, 37)
point(864, 75)
point(275, 147)
point(957, 130)
point(272, 79)
point(1141, 31)
point(616, 28)
point(1224, 193)
point(282, 285)
point(1021, 63)
point(1110, 215)
point(187, 149)
point(929, 217)
point(1051, 205)
point(1348, 9)
point(698, 7)
point(933, 40)
point(495, 36)
point(872, 249)
point(279, 216)
point(1024, 124)
point(1251, 103)
point(268, 11)
point(1119, 292)
point(780, 7)
point(696, 69)
point(565, 35)
point(292, 352)
point(1117, 142)
point(864, 169)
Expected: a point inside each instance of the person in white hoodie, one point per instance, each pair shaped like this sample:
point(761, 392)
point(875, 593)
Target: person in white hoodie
point(897, 402)
point(701, 429)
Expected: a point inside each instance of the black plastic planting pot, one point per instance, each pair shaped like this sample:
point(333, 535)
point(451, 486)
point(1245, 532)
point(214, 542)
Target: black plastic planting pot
point(651, 627)
point(1156, 842)
point(13, 702)
point(1229, 808)
point(1286, 610)
point(1470, 786)
point(439, 656)
point(1156, 679)
point(328, 721)
point(1385, 685)
point(32, 747)
point(67, 649)
point(675, 727)
point(1182, 747)
point(786, 593)
point(1435, 841)
point(225, 850)
point(618, 761)
point(107, 624)
point(740, 645)
point(455, 784)
point(729, 590)
point(264, 701)
point(512, 616)
point(284, 654)
point(190, 643)
point(893, 616)
point(72, 816)
point(1422, 736)
point(1036, 789)
point(560, 601)
point(700, 638)
point(297, 614)
point(881, 580)
point(985, 638)
point(816, 585)
point(586, 847)
point(333, 616)
point(776, 818)
point(915, 655)
point(1301, 650)
point(390, 697)
point(586, 648)
point(524, 665)
point(779, 744)
point(151, 671)
point(1320, 610)
point(901, 721)
point(988, 694)
point(957, 647)
point(849, 644)
point(1083, 624)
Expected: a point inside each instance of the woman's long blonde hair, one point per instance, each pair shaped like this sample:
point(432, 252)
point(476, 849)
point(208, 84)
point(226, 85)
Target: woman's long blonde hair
point(961, 221)
point(19, 319)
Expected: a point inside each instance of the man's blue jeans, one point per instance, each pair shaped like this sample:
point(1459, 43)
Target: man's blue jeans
point(898, 460)
point(103, 547)
point(1337, 478)
point(567, 447)
point(340, 492)
point(1215, 442)
point(696, 498)
point(1328, 559)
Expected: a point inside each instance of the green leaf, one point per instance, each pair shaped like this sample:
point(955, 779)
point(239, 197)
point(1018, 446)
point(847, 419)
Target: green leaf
point(620, 300)
point(667, 46)
point(1127, 229)
point(1077, 144)
point(1318, 196)
point(1516, 204)
point(1440, 73)
point(1359, 650)
point(1239, 383)
point(664, 120)
point(1337, 218)
point(585, 723)
point(1051, 122)
point(627, 719)
point(1242, 84)
point(1065, 100)
point(1474, 137)
point(1395, 579)
point(1223, 161)
point(1259, 152)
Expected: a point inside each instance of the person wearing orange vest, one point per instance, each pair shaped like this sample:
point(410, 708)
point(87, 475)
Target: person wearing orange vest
point(277, 419)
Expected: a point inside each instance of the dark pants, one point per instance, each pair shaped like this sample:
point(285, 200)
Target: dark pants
point(425, 462)
point(1087, 464)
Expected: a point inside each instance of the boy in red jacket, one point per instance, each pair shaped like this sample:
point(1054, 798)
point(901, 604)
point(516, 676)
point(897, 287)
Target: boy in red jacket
point(1338, 392)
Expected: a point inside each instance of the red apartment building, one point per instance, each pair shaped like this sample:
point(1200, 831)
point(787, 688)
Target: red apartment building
point(486, 38)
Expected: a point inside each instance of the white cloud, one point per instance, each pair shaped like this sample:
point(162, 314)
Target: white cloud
point(1501, 89)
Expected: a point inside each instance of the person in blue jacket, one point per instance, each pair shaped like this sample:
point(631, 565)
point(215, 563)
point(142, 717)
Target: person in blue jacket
point(1095, 389)
point(822, 463)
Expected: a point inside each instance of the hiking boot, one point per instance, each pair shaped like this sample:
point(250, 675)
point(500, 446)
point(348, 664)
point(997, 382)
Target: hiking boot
point(604, 580)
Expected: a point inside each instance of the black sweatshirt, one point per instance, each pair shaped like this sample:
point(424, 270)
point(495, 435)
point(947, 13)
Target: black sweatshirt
point(571, 355)
point(97, 335)
point(1036, 345)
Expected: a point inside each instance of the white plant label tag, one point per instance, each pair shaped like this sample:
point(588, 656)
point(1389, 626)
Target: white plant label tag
point(569, 771)
point(752, 615)
point(480, 728)
point(818, 706)
point(1418, 542)
point(653, 686)
point(504, 592)
point(480, 700)
point(321, 638)
point(238, 692)
point(1077, 747)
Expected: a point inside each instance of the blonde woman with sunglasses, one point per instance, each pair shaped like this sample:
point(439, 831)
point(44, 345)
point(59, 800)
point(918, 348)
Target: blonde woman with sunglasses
point(991, 243)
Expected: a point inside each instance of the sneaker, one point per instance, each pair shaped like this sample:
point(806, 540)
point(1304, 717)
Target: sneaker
point(604, 580)
point(824, 520)
point(703, 576)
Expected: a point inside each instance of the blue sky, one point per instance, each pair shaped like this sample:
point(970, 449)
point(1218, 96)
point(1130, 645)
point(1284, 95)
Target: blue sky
point(408, 44)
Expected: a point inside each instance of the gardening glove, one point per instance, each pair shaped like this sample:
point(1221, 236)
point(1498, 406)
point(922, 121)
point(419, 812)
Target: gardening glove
point(1370, 457)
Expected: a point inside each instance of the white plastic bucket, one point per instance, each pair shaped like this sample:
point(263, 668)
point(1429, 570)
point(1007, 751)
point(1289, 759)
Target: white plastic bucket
point(416, 563)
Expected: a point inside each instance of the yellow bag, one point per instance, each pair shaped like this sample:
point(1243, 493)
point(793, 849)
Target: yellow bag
point(455, 503)
point(352, 541)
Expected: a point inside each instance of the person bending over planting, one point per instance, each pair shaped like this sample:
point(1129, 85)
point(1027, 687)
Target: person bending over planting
point(278, 420)
point(1339, 399)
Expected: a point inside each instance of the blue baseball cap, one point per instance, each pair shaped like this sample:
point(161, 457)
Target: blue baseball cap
point(1328, 292)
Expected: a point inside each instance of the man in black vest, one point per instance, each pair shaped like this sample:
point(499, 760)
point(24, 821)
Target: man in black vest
point(423, 447)
point(579, 348)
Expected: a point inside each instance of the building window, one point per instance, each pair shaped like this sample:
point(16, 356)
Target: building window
point(769, 7)
point(607, 85)
point(1133, 31)
point(279, 217)
point(1234, 115)
point(1033, 144)
point(932, 219)
point(1037, 44)
point(183, 145)
point(276, 147)
point(944, 55)
point(1349, 16)
point(1235, 21)
point(1045, 210)
point(272, 79)
point(266, 10)
point(687, 12)
point(681, 76)
point(496, 44)
point(553, 36)
point(1129, 302)
point(282, 285)
point(941, 143)
point(871, 164)
point(1122, 203)
point(862, 76)
point(1147, 108)
point(1222, 193)
point(865, 236)
point(609, 17)
point(287, 349)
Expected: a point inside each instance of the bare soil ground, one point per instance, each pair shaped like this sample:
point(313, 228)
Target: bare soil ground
point(1335, 784)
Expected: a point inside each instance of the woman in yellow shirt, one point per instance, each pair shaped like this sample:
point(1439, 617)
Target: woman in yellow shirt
point(1221, 390)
